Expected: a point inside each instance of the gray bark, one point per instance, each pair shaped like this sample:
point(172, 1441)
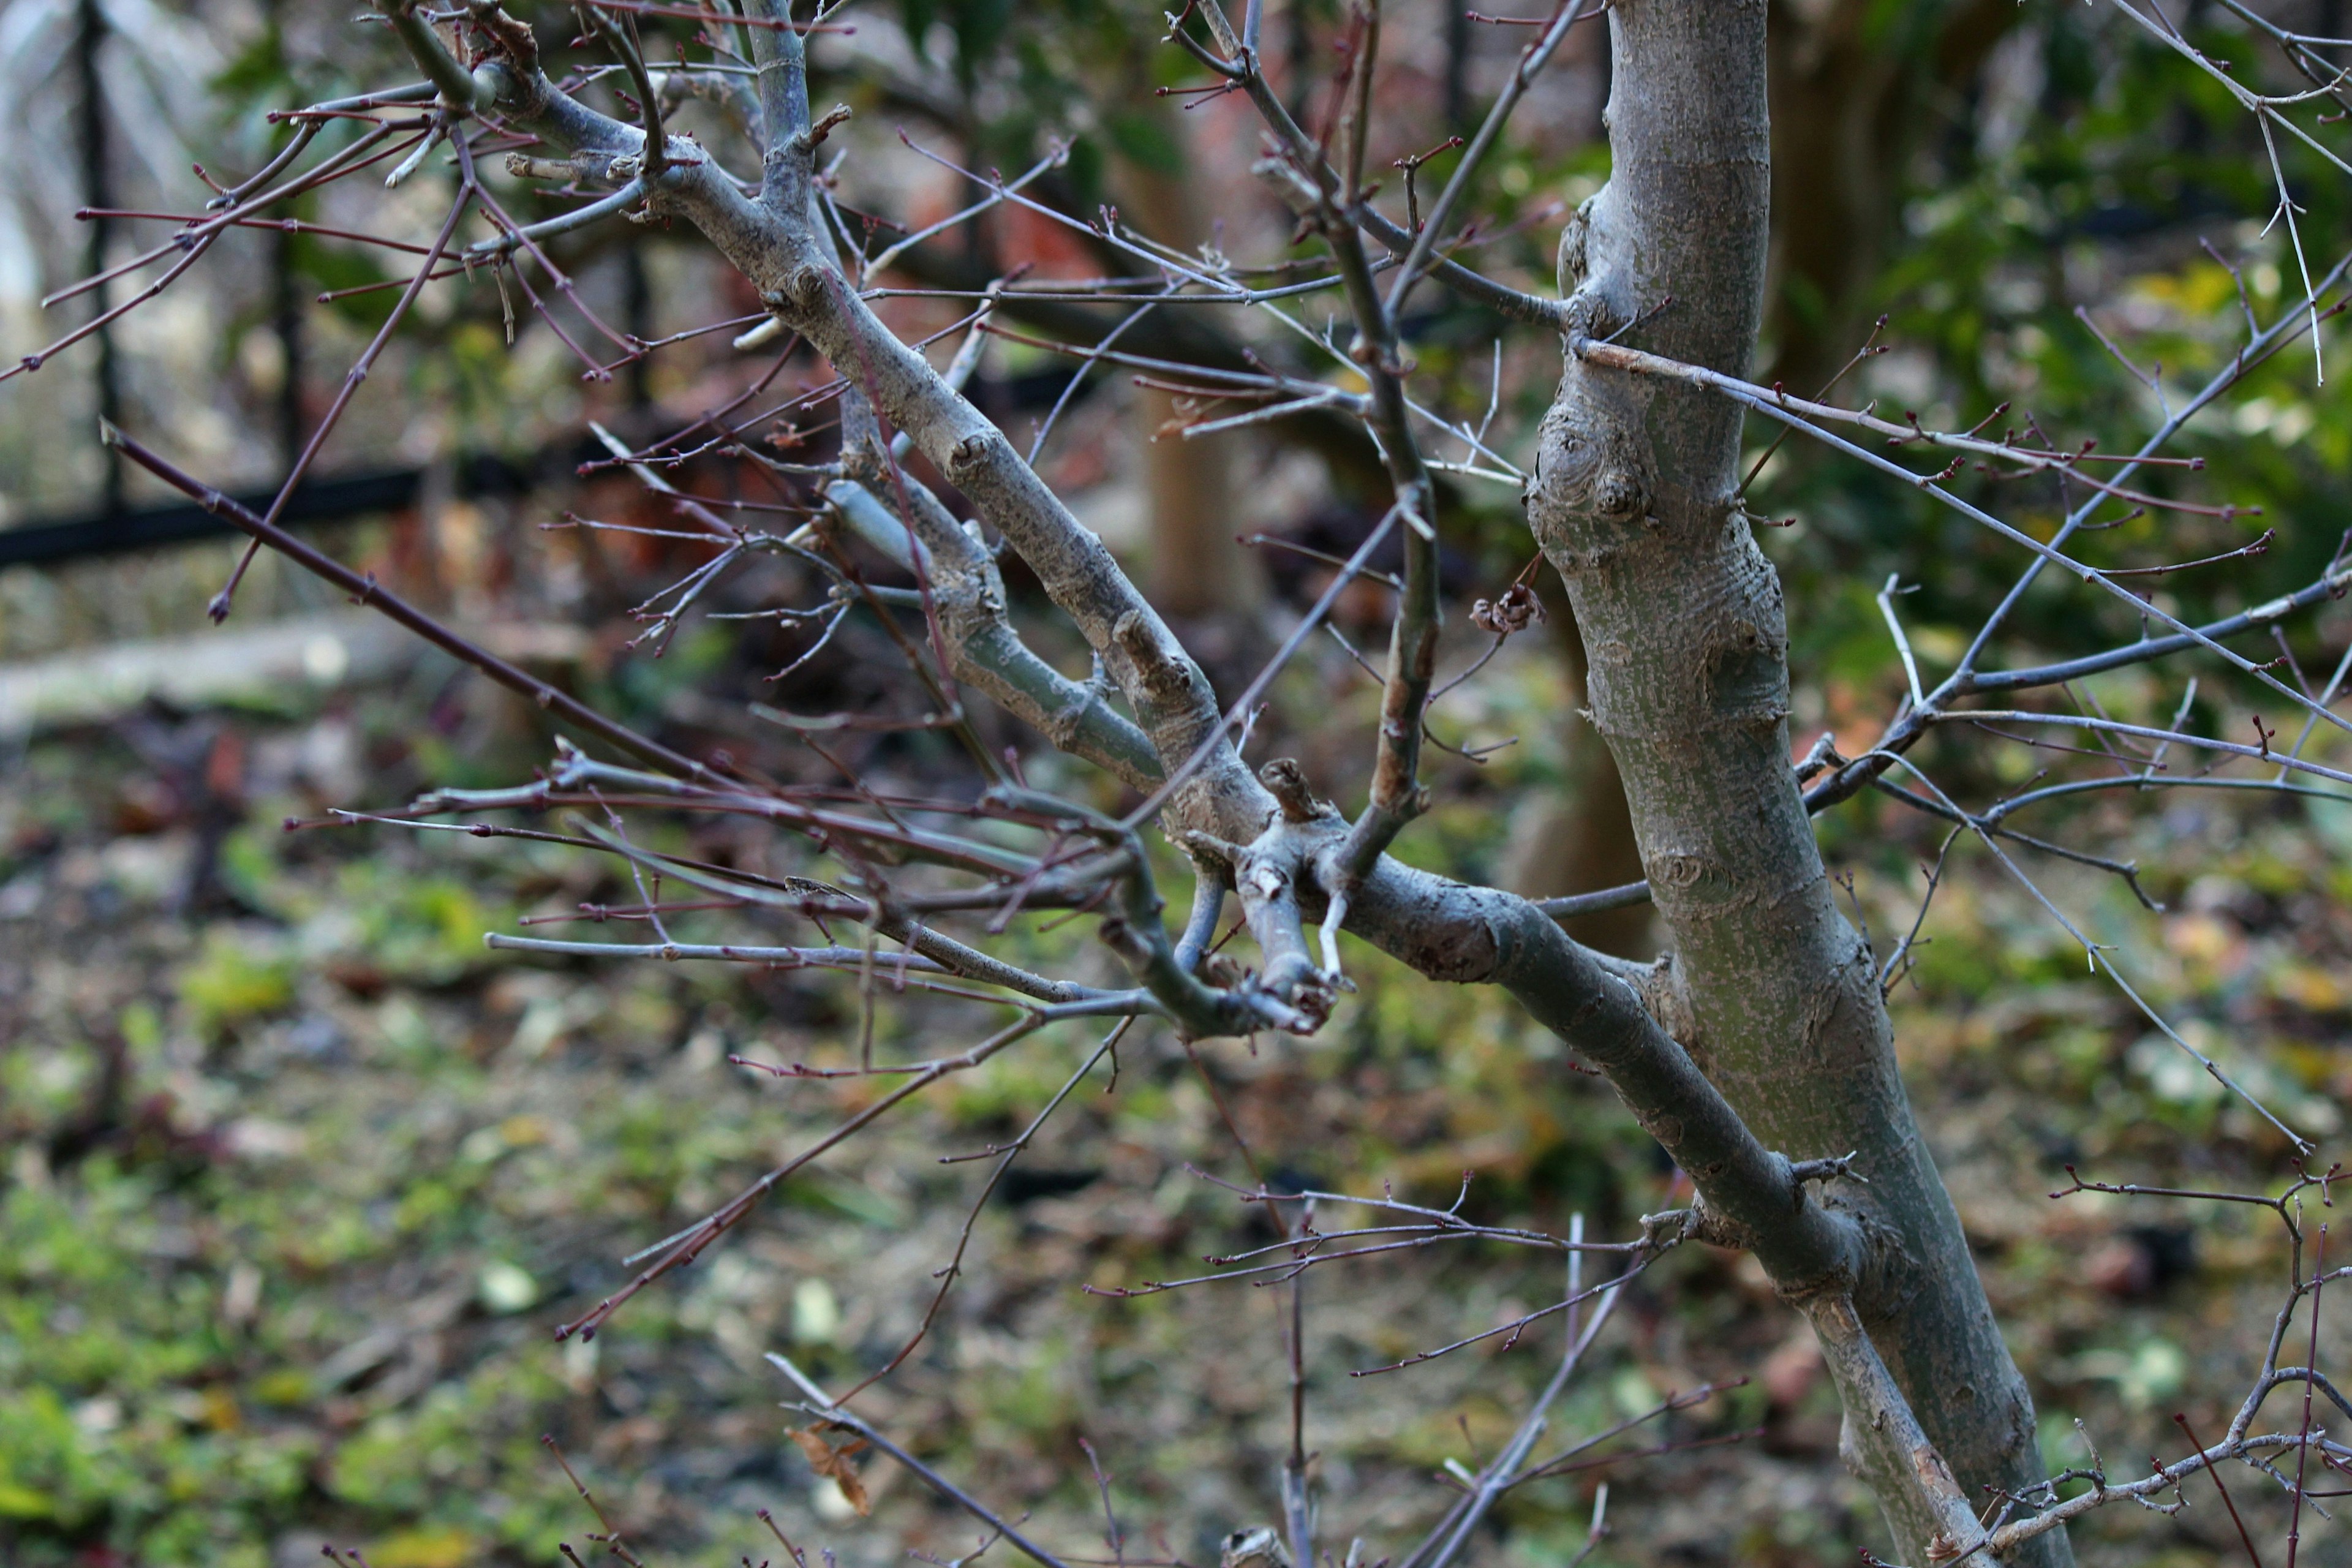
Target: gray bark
point(1688, 683)
point(1578, 837)
point(1783, 1040)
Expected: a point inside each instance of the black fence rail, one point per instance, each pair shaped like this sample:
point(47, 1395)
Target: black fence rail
point(321, 502)
point(313, 504)
point(142, 528)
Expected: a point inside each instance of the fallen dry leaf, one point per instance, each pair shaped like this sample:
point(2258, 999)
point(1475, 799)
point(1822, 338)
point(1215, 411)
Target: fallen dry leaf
point(827, 1460)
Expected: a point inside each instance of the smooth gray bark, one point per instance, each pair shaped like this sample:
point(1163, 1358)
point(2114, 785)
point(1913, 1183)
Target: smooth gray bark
point(1632, 502)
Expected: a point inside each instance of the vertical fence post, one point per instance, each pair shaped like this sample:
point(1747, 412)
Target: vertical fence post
point(1458, 65)
point(638, 308)
point(1299, 54)
point(98, 191)
point(286, 309)
point(286, 321)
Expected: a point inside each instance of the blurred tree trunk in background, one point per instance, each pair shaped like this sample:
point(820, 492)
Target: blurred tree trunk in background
point(1847, 77)
point(1198, 572)
point(1580, 837)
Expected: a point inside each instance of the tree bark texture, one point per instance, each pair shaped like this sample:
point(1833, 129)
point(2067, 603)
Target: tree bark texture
point(1579, 838)
point(1632, 502)
point(1683, 628)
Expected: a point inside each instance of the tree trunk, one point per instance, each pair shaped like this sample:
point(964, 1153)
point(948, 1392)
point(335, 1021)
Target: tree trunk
point(1580, 839)
point(1688, 683)
point(1198, 571)
point(1198, 574)
point(1846, 118)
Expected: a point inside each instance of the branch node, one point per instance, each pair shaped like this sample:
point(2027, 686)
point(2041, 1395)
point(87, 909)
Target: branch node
point(1288, 782)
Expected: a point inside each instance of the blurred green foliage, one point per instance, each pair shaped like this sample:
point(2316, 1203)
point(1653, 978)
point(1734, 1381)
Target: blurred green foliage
point(2094, 171)
point(295, 1285)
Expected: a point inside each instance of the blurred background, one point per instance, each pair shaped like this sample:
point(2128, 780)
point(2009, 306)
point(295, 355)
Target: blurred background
point(298, 1176)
